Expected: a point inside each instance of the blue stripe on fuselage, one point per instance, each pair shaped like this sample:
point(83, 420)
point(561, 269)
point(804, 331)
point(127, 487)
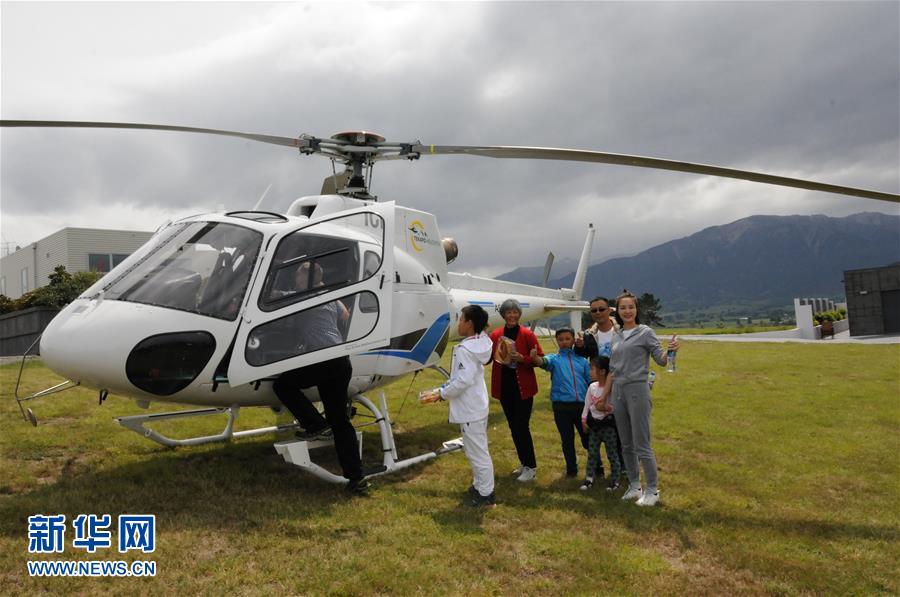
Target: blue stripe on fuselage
point(426, 344)
point(490, 304)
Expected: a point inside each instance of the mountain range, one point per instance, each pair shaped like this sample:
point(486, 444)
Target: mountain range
point(764, 261)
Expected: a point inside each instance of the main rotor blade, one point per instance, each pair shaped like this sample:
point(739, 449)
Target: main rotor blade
point(286, 141)
point(577, 155)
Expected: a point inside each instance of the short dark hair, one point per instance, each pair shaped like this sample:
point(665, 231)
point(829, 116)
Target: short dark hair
point(600, 298)
point(601, 363)
point(477, 316)
point(564, 330)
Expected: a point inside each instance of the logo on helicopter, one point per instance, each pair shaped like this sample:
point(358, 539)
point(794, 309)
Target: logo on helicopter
point(418, 236)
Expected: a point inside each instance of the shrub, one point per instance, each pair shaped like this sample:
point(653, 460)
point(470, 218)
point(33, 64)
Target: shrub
point(62, 290)
point(835, 315)
point(6, 304)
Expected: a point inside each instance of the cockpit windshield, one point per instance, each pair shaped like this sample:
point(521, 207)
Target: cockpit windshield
point(201, 267)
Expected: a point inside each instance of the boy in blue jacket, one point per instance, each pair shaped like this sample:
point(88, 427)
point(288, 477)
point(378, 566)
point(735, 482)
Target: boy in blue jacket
point(570, 377)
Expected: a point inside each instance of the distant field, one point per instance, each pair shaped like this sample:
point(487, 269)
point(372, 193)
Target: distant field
point(750, 329)
point(778, 467)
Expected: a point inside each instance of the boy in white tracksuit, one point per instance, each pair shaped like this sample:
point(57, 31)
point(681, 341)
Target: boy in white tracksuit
point(468, 397)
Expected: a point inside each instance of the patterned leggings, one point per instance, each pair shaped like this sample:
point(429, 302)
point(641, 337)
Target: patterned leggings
point(607, 436)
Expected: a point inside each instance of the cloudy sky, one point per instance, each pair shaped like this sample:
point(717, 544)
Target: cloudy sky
point(808, 89)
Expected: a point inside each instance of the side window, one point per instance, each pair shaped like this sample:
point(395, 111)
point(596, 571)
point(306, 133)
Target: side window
point(323, 257)
point(316, 328)
point(371, 262)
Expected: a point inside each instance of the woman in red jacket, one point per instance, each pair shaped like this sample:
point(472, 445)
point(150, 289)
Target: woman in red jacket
point(515, 385)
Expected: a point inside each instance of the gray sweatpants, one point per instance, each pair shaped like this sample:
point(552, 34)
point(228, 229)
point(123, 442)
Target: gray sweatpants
point(633, 403)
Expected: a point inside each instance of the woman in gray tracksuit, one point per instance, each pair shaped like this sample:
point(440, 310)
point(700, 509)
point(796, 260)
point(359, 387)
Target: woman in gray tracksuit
point(629, 365)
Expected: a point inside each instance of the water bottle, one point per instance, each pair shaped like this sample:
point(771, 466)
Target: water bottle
point(670, 367)
point(651, 379)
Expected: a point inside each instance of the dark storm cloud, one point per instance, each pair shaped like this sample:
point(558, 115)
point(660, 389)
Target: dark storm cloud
point(801, 89)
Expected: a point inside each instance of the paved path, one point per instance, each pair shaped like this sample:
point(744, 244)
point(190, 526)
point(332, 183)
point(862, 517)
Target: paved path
point(839, 338)
point(18, 359)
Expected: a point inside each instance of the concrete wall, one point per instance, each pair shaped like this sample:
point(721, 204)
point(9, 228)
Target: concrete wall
point(819, 304)
point(806, 325)
point(803, 314)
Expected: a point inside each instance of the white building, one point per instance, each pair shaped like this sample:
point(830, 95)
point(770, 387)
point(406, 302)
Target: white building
point(79, 249)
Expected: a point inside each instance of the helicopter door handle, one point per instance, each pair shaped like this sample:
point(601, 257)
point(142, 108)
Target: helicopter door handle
point(381, 283)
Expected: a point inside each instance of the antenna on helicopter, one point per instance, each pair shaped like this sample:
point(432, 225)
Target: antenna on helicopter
point(261, 197)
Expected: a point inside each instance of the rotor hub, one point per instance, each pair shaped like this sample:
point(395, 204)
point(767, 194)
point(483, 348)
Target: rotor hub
point(358, 137)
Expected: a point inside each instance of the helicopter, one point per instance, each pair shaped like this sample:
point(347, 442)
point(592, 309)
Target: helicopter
point(213, 308)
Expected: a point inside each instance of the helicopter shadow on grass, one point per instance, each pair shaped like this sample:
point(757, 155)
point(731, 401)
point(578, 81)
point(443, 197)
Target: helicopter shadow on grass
point(240, 486)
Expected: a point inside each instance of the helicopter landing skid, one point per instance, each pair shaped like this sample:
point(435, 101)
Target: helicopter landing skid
point(296, 452)
point(136, 423)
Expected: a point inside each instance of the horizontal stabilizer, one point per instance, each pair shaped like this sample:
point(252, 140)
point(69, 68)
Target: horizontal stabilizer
point(584, 308)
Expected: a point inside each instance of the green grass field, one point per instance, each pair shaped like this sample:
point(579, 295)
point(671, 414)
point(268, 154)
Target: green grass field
point(779, 474)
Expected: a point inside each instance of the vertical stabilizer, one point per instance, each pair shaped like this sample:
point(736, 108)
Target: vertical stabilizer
point(547, 266)
point(580, 274)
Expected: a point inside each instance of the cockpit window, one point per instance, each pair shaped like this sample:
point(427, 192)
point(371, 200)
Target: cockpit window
point(201, 267)
point(323, 257)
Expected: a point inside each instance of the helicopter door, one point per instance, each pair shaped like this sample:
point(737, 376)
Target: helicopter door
point(324, 291)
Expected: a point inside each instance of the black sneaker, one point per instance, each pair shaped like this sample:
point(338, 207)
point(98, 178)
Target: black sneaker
point(358, 487)
point(588, 483)
point(472, 492)
point(612, 485)
point(484, 501)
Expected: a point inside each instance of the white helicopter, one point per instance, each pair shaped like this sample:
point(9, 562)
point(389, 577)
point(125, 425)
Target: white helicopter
point(207, 312)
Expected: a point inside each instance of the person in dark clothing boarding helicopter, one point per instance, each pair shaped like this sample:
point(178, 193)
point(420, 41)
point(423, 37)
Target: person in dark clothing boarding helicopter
point(320, 328)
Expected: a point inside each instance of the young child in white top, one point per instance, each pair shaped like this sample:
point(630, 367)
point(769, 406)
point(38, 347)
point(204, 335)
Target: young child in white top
point(597, 420)
point(468, 397)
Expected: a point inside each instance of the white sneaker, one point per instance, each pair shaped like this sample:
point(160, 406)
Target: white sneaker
point(633, 493)
point(649, 499)
point(517, 471)
point(527, 474)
